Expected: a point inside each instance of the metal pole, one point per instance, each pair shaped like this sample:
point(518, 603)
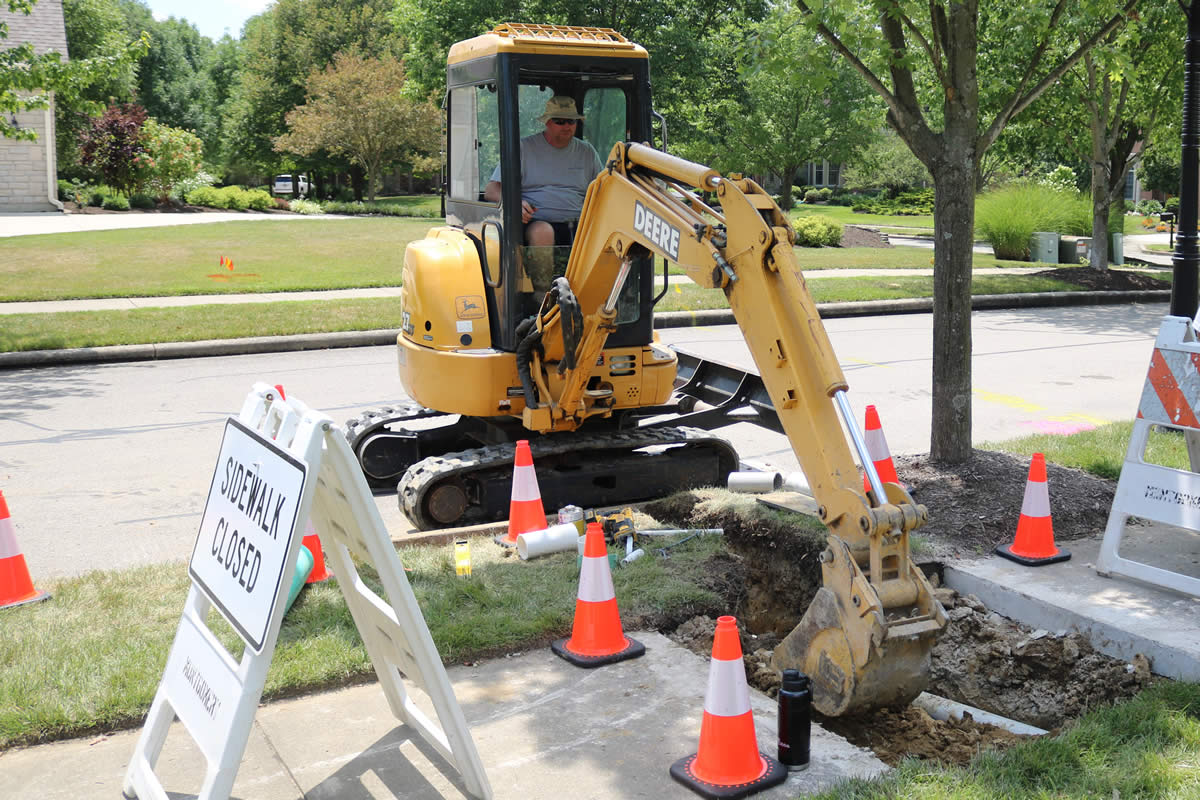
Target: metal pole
point(1185, 290)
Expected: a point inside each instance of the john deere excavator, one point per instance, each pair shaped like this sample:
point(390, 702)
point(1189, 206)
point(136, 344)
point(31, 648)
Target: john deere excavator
point(488, 358)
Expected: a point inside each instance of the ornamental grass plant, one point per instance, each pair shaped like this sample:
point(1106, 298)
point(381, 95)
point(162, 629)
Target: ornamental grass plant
point(1008, 217)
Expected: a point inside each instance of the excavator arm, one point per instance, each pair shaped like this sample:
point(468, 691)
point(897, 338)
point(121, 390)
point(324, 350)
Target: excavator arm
point(865, 639)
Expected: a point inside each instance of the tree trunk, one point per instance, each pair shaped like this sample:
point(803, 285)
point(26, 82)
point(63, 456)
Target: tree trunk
point(356, 181)
point(954, 240)
point(785, 191)
point(1100, 208)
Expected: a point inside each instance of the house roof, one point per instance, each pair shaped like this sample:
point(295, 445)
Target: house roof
point(43, 28)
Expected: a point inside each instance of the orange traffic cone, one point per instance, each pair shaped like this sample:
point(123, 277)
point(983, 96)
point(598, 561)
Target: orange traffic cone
point(1033, 545)
point(525, 511)
point(16, 587)
point(728, 763)
point(313, 543)
point(877, 448)
point(596, 637)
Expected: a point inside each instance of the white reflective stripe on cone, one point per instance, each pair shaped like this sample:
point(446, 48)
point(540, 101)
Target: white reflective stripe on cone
point(728, 695)
point(595, 581)
point(876, 444)
point(1037, 500)
point(525, 485)
point(8, 540)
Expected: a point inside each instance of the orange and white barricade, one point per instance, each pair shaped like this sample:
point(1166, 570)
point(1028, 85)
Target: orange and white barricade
point(1171, 400)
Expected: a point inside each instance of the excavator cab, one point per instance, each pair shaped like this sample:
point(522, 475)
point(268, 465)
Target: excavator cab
point(497, 88)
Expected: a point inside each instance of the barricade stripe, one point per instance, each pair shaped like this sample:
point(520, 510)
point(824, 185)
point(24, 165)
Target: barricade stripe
point(727, 695)
point(595, 581)
point(1161, 383)
point(1037, 500)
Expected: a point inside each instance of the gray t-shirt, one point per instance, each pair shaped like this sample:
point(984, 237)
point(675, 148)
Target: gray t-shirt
point(554, 180)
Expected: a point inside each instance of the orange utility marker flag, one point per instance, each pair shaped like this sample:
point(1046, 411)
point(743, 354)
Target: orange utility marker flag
point(1033, 545)
point(728, 763)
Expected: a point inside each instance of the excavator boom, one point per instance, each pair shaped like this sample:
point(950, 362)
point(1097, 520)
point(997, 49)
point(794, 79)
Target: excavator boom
point(866, 638)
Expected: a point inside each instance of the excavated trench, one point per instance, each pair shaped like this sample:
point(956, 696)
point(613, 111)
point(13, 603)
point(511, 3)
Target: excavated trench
point(984, 660)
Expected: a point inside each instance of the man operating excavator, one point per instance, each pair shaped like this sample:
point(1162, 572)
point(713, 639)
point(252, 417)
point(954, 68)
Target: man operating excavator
point(556, 168)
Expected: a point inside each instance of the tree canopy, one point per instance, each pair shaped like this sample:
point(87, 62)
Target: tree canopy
point(953, 74)
point(27, 79)
point(358, 107)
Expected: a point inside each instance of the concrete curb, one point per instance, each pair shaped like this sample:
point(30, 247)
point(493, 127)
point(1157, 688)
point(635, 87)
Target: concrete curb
point(668, 319)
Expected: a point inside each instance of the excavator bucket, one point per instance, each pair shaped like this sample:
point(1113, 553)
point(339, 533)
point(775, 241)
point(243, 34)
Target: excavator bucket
point(863, 645)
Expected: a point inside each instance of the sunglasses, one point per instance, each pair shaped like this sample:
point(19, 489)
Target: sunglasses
point(563, 121)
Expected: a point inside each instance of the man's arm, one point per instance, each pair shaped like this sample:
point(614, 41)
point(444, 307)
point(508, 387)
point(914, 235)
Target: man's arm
point(491, 192)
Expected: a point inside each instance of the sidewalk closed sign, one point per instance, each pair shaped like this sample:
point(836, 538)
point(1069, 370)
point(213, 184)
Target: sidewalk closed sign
point(247, 529)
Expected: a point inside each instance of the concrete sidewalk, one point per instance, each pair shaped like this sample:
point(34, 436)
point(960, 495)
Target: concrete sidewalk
point(544, 729)
point(34, 224)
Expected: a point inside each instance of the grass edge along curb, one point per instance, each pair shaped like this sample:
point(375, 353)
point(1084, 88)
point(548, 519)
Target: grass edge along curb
point(669, 319)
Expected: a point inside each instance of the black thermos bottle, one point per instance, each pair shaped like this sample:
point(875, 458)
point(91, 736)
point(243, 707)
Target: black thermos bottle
point(795, 714)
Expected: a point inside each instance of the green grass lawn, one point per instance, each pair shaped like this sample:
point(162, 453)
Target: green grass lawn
point(50, 331)
point(268, 256)
point(921, 225)
point(425, 203)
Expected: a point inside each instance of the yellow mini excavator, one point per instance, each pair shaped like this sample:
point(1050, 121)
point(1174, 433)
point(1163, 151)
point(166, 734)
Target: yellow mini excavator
point(489, 358)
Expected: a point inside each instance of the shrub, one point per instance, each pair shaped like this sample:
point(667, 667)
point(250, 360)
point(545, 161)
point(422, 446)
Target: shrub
point(96, 196)
point(259, 199)
point(1143, 207)
point(825, 192)
point(818, 231)
point(236, 198)
point(111, 143)
point(1171, 205)
point(116, 202)
point(170, 155)
point(812, 196)
point(141, 200)
point(206, 196)
point(382, 209)
point(306, 207)
point(281, 204)
point(184, 187)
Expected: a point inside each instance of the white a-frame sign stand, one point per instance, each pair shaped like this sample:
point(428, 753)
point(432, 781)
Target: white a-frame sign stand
point(281, 462)
point(1170, 399)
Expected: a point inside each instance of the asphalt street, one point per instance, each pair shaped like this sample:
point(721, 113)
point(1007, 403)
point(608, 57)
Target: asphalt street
point(107, 465)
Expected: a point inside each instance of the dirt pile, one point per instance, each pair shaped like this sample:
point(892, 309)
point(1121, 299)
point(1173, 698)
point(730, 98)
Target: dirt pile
point(975, 506)
point(982, 659)
point(1095, 280)
point(993, 663)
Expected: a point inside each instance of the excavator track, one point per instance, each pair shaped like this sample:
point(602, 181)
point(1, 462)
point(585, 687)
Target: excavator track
point(382, 452)
point(585, 469)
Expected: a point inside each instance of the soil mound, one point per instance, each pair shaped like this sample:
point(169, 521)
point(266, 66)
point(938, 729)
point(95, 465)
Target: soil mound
point(1095, 280)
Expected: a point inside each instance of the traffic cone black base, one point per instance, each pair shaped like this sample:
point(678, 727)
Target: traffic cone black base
point(634, 650)
point(1005, 550)
point(775, 774)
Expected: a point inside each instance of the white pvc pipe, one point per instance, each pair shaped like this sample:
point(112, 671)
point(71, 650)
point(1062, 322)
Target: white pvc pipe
point(797, 482)
point(943, 708)
point(752, 482)
point(554, 539)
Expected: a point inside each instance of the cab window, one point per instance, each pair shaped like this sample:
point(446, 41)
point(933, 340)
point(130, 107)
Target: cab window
point(474, 140)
